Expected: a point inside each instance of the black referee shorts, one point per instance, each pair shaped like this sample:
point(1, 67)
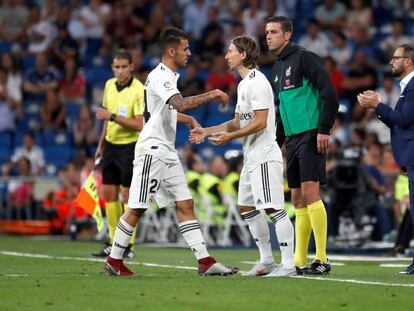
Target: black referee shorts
point(117, 164)
point(304, 163)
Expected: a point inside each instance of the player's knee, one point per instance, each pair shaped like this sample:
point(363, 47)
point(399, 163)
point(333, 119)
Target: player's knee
point(310, 192)
point(297, 199)
point(185, 207)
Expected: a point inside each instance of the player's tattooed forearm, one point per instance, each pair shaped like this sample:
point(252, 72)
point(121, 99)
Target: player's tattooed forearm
point(184, 104)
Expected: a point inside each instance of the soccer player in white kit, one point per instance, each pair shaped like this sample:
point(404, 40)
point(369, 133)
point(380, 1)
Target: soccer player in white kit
point(157, 168)
point(261, 179)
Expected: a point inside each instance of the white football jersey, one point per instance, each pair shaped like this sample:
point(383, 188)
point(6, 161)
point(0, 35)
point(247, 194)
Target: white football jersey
point(255, 93)
point(159, 132)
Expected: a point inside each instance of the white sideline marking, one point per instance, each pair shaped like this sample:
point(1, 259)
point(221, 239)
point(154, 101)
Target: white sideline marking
point(367, 258)
point(352, 281)
point(15, 275)
point(41, 256)
point(393, 265)
point(332, 263)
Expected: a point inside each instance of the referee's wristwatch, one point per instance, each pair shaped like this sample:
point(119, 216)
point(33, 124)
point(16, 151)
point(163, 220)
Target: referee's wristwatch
point(113, 117)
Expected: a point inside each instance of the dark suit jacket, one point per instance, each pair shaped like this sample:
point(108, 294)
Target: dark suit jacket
point(401, 122)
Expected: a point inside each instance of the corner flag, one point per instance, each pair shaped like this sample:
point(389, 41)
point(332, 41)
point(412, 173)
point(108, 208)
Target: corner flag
point(88, 199)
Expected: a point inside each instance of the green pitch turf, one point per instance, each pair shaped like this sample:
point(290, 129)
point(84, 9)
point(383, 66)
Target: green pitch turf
point(58, 275)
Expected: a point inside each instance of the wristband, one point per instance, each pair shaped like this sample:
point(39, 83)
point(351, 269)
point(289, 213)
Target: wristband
point(113, 117)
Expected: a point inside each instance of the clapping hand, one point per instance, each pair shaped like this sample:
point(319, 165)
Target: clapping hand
point(369, 99)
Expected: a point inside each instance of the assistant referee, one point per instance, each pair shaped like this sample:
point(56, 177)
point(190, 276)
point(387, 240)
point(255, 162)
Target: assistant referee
point(122, 112)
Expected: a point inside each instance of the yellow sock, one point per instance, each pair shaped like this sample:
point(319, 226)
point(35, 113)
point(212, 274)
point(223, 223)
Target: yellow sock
point(113, 212)
point(303, 231)
point(319, 222)
point(132, 241)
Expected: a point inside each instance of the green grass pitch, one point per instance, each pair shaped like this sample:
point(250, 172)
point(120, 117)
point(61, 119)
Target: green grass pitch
point(61, 275)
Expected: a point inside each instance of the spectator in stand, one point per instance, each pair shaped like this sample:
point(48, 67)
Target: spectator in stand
point(190, 84)
point(94, 18)
point(120, 31)
point(85, 130)
point(360, 13)
point(331, 15)
point(315, 40)
point(361, 76)
point(53, 113)
point(60, 204)
point(336, 75)
point(195, 18)
point(41, 79)
point(341, 51)
point(40, 33)
point(6, 112)
point(253, 17)
point(360, 41)
point(221, 78)
point(30, 151)
point(371, 165)
point(49, 10)
point(211, 43)
point(13, 18)
point(64, 46)
point(72, 86)
point(396, 38)
point(14, 83)
point(20, 191)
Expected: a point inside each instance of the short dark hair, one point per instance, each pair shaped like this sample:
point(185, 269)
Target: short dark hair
point(122, 54)
point(170, 36)
point(286, 23)
point(408, 51)
point(249, 45)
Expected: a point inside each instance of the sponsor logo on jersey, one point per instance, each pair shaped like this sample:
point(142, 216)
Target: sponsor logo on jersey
point(276, 79)
point(288, 71)
point(245, 116)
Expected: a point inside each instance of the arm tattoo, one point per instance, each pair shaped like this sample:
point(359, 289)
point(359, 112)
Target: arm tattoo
point(188, 103)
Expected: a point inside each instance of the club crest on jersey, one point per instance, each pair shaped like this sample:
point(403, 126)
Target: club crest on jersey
point(168, 85)
point(288, 71)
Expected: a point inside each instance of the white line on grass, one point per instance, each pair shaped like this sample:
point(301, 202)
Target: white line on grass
point(366, 258)
point(41, 256)
point(353, 281)
point(393, 265)
point(332, 263)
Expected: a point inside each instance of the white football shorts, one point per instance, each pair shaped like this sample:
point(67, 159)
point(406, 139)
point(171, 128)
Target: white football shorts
point(262, 187)
point(152, 176)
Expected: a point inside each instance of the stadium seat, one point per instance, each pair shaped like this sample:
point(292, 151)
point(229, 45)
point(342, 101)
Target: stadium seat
point(58, 155)
point(5, 46)
point(97, 76)
point(72, 111)
point(6, 140)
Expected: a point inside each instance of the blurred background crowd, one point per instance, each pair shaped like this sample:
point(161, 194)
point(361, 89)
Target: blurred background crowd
point(55, 58)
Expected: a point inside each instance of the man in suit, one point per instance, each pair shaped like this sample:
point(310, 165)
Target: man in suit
point(400, 119)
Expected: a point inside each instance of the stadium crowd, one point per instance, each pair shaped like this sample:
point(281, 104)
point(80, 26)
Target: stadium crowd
point(55, 59)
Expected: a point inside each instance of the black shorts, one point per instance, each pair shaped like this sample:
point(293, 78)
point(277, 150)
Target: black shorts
point(304, 163)
point(117, 164)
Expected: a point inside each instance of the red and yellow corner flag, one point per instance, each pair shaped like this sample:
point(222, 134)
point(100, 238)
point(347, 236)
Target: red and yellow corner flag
point(88, 199)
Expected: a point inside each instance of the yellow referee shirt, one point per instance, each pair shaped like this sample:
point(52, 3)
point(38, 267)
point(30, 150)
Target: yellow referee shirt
point(128, 102)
